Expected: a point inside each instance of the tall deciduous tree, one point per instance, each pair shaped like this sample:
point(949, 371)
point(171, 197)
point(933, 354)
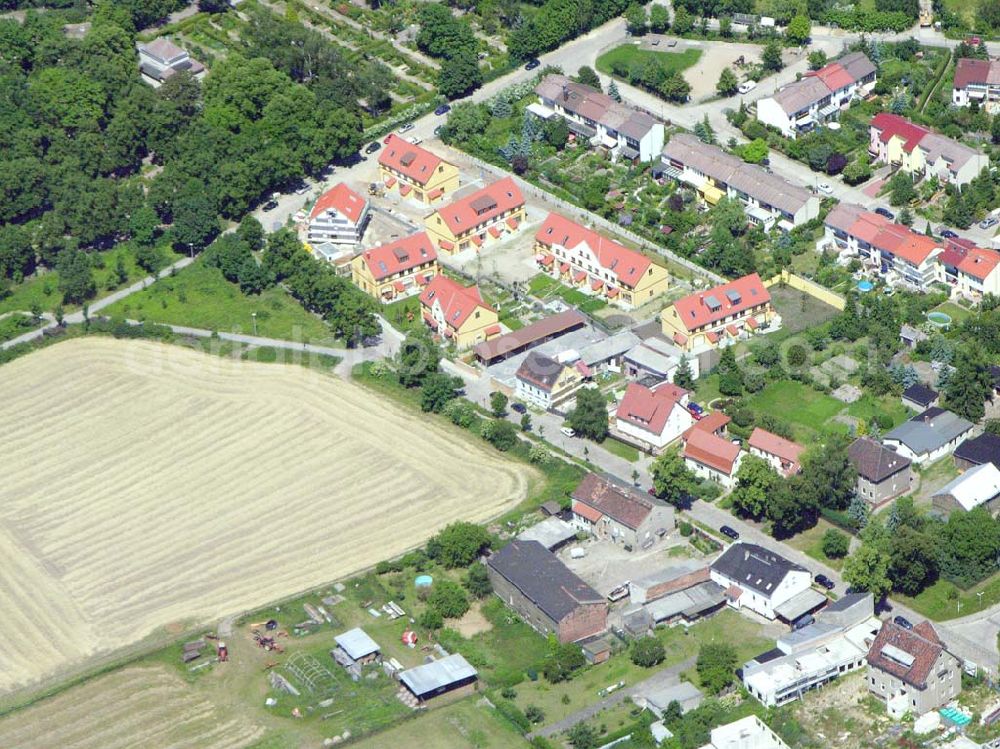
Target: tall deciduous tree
point(673, 482)
point(728, 82)
point(756, 481)
point(970, 385)
point(589, 417)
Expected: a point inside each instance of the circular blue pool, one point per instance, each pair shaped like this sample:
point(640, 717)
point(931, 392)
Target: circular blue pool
point(423, 581)
point(941, 319)
point(864, 286)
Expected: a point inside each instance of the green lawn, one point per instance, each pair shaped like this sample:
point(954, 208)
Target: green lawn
point(545, 287)
point(404, 314)
point(461, 725)
point(43, 290)
point(627, 55)
point(941, 600)
point(799, 311)
point(869, 405)
point(706, 389)
point(15, 325)
point(808, 410)
point(627, 452)
point(957, 312)
point(200, 297)
point(810, 542)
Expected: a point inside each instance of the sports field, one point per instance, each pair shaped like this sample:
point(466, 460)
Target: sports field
point(149, 487)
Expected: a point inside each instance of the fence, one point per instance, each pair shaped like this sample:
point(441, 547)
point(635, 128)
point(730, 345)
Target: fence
point(585, 216)
point(809, 287)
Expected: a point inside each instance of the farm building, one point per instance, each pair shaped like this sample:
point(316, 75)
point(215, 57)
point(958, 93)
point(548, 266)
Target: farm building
point(621, 514)
point(684, 573)
point(358, 646)
point(450, 675)
point(553, 533)
point(977, 487)
point(978, 450)
point(546, 593)
point(506, 346)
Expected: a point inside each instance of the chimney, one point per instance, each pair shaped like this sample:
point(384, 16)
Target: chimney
point(746, 554)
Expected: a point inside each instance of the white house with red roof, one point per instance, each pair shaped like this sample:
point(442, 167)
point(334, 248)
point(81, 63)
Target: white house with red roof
point(485, 215)
point(654, 416)
point(709, 453)
point(889, 250)
point(978, 273)
point(415, 172)
point(977, 80)
point(397, 269)
point(818, 96)
point(921, 152)
point(458, 313)
point(719, 316)
point(783, 455)
point(340, 216)
point(581, 257)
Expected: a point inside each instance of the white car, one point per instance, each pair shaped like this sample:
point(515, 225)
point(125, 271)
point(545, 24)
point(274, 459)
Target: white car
point(746, 87)
point(568, 432)
point(405, 128)
point(824, 187)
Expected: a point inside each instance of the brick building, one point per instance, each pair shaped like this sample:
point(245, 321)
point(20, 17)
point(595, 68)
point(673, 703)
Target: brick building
point(619, 513)
point(546, 593)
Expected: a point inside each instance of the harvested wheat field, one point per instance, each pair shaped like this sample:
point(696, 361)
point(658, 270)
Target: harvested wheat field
point(147, 485)
point(142, 706)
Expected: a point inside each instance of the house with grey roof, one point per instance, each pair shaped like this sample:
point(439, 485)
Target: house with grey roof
point(608, 354)
point(883, 474)
point(977, 487)
point(659, 358)
point(627, 132)
point(545, 382)
point(818, 97)
point(451, 674)
point(764, 582)
point(161, 58)
point(768, 199)
point(544, 592)
point(928, 436)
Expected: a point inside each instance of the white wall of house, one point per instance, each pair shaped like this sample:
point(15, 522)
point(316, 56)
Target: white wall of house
point(713, 474)
point(923, 458)
point(531, 393)
point(679, 421)
point(765, 604)
point(335, 227)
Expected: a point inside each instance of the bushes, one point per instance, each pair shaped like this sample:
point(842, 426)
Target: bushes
point(563, 662)
point(458, 545)
point(647, 652)
point(835, 544)
point(448, 599)
point(513, 714)
point(716, 667)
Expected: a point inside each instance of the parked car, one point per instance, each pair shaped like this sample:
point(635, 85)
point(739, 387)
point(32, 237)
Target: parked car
point(824, 582)
point(803, 621)
point(989, 222)
point(729, 532)
point(443, 109)
point(948, 234)
point(746, 87)
point(532, 64)
point(438, 129)
point(824, 187)
point(405, 127)
point(568, 432)
point(697, 411)
point(415, 140)
point(303, 188)
point(270, 205)
point(518, 407)
point(885, 212)
point(903, 622)
point(373, 147)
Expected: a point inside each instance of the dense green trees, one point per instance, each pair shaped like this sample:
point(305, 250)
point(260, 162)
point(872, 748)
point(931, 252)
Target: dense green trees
point(458, 544)
point(728, 83)
point(589, 418)
point(673, 482)
point(557, 21)
point(970, 385)
point(716, 666)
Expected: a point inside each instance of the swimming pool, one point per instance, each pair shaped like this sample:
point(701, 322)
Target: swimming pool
point(941, 319)
point(864, 286)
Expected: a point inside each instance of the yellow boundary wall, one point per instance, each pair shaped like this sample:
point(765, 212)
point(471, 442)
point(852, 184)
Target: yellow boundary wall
point(805, 285)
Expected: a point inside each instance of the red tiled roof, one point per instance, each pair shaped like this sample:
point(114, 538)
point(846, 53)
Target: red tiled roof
point(585, 511)
point(786, 450)
point(563, 267)
point(405, 189)
point(979, 263)
point(896, 239)
point(481, 206)
point(415, 163)
point(710, 450)
point(494, 232)
point(705, 307)
point(732, 330)
point(713, 423)
point(628, 265)
point(680, 339)
point(605, 498)
point(546, 259)
point(399, 286)
point(596, 284)
point(835, 76)
point(401, 255)
point(752, 323)
point(893, 125)
point(921, 643)
point(446, 245)
point(390, 181)
point(612, 292)
point(341, 199)
point(493, 330)
point(477, 241)
point(436, 193)
point(649, 409)
point(512, 222)
point(457, 302)
point(972, 71)
point(579, 276)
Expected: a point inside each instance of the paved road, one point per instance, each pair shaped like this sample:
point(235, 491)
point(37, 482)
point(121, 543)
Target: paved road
point(663, 677)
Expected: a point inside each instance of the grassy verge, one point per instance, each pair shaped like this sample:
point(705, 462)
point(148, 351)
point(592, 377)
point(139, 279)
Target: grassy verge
point(944, 600)
point(628, 55)
point(15, 325)
point(808, 410)
point(199, 297)
point(810, 542)
point(626, 452)
point(546, 288)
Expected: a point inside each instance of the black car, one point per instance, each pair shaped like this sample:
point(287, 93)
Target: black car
point(803, 621)
point(270, 205)
point(519, 407)
point(903, 622)
point(885, 212)
point(532, 64)
point(373, 147)
point(949, 234)
point(824, 582)
point(730, 532)
point(443, 109)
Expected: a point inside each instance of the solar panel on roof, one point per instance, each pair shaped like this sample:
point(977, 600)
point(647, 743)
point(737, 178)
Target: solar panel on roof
point(712, 302)
point(733, 296)
point(382, 266)
point(900, 656)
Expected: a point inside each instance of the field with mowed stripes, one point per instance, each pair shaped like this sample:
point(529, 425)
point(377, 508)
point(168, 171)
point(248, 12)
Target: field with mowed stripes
point(135, 707)
point(146, 487)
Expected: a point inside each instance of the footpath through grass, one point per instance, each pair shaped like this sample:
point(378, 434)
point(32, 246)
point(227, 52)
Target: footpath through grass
point(628, 55)
point(200, 297)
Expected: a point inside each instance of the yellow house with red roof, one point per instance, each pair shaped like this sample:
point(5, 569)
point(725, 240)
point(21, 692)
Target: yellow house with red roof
point(415, 172)
point(721, 315)
point(486, 214)
point(397, 269)
point(458, 313)
point(581, 257)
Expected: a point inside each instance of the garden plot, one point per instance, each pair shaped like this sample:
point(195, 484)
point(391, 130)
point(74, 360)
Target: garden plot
point(149, 487)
